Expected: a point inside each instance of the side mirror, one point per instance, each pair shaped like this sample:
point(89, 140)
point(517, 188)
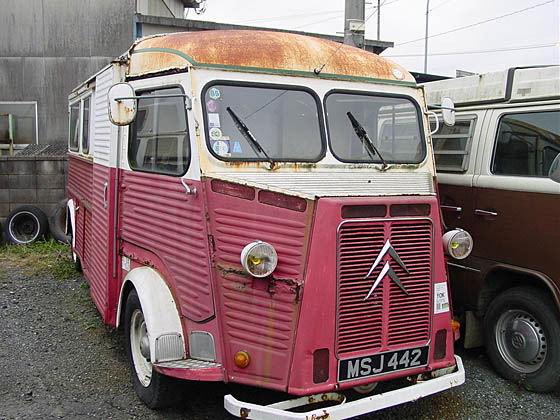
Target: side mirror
point(554, 171)
point(122, 104)
point(448, 111)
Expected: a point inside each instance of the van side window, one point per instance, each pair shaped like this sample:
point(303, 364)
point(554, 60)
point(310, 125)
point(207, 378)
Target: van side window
point(74, 129)
point(452, 145)
point(527, 143)
point(159, 140)
point(85, 125)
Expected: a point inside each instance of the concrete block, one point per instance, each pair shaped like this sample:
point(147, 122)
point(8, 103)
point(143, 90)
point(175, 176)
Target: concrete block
point(45, 196)
point(50, 181)
point(23, 167)
point(4, 182)
point(4, 167)
point(50, 167)
point(4, 211)
point(23, 196)
point(4, 195)
point(22, 181)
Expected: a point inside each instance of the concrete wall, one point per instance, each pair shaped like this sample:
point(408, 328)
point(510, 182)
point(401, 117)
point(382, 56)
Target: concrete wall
point(39, 181)
point(48, 47)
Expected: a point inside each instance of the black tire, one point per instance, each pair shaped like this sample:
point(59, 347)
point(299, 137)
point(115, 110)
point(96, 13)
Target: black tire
point(522, 334)
point(58, 222)
point(26, 224)
point(152, 388)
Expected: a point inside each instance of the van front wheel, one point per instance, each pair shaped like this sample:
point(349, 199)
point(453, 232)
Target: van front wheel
point(152, 387)
point(522, 332)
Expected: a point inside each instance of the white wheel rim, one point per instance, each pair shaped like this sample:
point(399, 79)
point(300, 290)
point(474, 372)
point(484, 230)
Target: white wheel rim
point(24, 227)
point(138, 340)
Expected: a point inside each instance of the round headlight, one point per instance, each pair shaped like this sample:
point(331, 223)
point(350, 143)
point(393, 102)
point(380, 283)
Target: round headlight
point(259, 259)
point(458, 243)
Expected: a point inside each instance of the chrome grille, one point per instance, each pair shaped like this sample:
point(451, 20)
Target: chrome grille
point(389, 318)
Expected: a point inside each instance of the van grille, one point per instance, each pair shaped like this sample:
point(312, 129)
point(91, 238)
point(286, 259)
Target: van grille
point(389, 318)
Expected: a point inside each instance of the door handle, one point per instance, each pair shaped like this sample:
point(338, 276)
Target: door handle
point(189, 191)
point(105, 186)
point(479, 212)
point(452, 208)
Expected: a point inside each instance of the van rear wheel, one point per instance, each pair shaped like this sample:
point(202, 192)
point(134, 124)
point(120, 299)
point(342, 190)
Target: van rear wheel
point(152, 387)
point(522, 333)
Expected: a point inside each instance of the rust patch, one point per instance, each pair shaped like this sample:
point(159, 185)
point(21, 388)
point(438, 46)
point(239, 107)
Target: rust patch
point(225, 271)
point(261, 50)
point(284, 286)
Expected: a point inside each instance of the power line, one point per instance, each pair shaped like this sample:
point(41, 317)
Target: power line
point(478, 23)
point(519, 48)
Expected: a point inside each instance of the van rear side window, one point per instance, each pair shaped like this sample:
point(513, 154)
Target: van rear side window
point(527, 143)
point(452, 145)
point(159, 140)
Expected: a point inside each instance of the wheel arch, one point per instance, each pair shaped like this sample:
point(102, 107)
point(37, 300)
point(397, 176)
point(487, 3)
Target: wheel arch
point(167, 340)
point(503, 277)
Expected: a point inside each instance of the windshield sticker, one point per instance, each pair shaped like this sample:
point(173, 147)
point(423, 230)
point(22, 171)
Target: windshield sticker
point(237, 147)
point(213, 120)
point(211, 105)
point(214, 93)
point(221, 147)
point(215, 133)
point(441, 299)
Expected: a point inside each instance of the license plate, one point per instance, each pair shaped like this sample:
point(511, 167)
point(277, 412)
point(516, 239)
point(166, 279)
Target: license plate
point(378, 364)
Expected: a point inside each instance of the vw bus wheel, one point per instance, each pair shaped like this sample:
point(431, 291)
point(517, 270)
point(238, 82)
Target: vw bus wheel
point(522, 331)
point(152, 388)
point(26, 224)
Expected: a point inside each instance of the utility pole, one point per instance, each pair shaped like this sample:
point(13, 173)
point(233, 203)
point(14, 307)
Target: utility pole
point(354, 25)
point(426, 40)
point(379, 20)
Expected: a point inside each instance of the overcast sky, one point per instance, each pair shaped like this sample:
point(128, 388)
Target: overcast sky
point(472, 35)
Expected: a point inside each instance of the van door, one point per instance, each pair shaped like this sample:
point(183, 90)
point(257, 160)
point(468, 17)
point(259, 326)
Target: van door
point(162, 205)
point(517, 207)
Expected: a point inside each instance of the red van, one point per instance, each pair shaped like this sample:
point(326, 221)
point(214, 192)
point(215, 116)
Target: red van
point(261, 208)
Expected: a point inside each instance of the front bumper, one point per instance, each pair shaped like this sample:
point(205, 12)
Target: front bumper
point(345, 410)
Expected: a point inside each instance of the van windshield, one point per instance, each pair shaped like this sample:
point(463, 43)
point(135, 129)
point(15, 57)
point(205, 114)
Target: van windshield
point(283, 123)
point(391, 124)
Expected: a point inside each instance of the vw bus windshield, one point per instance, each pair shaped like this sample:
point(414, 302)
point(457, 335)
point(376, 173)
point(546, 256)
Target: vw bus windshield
point(392, 124)
point(258, 123)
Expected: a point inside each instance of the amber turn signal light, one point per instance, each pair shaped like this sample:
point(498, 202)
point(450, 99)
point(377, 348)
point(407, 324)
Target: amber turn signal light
point(241, 359)
point(455, 325)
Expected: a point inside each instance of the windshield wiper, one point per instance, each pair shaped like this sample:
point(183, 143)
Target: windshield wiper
point(366, 141)
point(243, 129)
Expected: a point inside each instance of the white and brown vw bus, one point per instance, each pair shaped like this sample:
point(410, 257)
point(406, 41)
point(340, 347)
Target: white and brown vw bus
point(498, 179)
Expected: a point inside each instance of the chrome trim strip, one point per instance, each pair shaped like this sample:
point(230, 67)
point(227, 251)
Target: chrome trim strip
point(463, 267)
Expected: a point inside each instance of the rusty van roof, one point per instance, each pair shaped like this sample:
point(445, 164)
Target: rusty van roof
point(261, 51)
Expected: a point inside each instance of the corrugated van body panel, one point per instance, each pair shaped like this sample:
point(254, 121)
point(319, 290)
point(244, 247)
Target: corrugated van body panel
point(158, 215)
point(101, 266)
point(104, 152)
point(259, 315)
point(80, 175)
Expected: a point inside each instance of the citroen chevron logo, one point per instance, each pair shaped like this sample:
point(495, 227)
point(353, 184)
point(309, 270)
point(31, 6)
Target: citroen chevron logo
point(387, 248)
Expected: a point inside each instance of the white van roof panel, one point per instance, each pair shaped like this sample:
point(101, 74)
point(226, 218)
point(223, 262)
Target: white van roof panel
point(515, 84)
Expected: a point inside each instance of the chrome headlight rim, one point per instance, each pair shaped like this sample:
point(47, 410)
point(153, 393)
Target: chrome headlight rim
point(451, 238)
point(267, 251)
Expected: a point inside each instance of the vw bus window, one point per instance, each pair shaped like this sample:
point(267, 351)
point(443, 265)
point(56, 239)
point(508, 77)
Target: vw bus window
point(258, 123)
point(527, 144)
point(159, 140)
point(374, 129)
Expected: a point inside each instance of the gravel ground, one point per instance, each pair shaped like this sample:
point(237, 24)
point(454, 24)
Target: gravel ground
point(60, 361)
